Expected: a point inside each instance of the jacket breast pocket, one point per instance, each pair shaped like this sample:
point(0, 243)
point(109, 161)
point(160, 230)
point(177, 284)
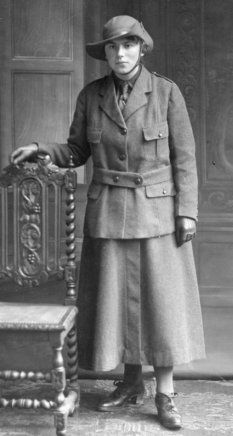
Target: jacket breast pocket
point(155, 142)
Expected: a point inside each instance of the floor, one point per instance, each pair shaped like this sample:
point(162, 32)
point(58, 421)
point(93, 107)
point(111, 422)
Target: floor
point(206, 407)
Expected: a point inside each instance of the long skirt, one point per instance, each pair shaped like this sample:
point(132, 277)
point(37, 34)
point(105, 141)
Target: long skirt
point(138, 303)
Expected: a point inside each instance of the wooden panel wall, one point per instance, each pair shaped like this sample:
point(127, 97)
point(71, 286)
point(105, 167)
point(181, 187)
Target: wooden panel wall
point(41, 106)
point(42, 31)
point(199, 59)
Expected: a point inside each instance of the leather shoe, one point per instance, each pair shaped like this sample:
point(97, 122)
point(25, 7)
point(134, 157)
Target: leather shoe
point(123, 394)
point(168, 414)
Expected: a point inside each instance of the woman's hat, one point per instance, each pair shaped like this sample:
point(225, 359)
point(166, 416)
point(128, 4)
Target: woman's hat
point(119, 27)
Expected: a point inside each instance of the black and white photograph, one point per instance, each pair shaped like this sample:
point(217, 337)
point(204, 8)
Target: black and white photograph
point(116, 217)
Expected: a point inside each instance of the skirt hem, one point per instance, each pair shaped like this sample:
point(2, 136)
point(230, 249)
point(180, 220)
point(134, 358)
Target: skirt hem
point(156, 362)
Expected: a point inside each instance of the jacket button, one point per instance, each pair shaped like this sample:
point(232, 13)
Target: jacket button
point(138, 180)
point(160, 135)
point(164, 191)
point(115, 179)
point(122, 156)
point(123, 131)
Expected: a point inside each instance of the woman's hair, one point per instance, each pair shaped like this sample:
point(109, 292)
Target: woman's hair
point(136, 39)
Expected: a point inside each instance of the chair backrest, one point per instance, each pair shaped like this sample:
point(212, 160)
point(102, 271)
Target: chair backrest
point(32, 223)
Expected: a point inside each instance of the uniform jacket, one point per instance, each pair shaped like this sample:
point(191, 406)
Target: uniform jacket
point(144, 158)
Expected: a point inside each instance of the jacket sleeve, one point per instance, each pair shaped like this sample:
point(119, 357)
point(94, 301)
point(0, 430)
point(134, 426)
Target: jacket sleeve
point(77, 145)
point(182, 155)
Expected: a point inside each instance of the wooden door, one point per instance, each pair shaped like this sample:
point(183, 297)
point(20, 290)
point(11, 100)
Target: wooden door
point(42, 70)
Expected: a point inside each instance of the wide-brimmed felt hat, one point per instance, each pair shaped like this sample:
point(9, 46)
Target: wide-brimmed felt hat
point(119, 27)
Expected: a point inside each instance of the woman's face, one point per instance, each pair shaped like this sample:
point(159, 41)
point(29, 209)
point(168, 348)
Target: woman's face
point(122, 55)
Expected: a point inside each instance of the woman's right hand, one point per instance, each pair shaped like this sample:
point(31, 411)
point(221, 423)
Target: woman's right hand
point(23, 153)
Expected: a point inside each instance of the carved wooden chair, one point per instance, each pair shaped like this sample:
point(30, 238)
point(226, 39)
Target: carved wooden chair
point(32, 257)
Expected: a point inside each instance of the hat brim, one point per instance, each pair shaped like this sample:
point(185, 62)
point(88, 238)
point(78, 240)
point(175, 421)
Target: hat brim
point(97, 49)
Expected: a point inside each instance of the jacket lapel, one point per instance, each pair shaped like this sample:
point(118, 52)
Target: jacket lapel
point(138, 96)
point(108, 102)
point(136, 100)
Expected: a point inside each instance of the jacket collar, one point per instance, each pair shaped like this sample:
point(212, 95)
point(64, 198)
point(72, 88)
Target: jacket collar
point(136, 100)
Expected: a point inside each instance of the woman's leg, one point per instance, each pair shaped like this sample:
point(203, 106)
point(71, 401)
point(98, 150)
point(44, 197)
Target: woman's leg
point(130, 390)
point(132, 374)
point(164, 379)
point(168, 415)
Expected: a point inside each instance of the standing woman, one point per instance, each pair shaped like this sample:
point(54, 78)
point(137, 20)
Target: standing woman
point(138, 296)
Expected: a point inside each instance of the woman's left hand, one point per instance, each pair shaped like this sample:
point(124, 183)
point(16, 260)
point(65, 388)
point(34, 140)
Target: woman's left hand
point(185, 229)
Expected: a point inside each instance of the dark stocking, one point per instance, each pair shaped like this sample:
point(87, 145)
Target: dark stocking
point(132, 373)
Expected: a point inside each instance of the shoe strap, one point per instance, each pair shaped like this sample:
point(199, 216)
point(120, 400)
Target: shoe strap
point(169, 395)
point(118, 383)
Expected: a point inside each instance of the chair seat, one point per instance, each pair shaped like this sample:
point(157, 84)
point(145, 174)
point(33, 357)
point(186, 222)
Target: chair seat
point(41, 317)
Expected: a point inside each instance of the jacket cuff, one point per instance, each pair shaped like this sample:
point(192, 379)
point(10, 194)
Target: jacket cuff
point(186, 206)
point(188, 216)
point(45, 149)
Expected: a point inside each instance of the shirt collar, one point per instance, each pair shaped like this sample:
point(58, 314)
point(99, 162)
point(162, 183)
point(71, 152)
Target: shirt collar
point(131, 82)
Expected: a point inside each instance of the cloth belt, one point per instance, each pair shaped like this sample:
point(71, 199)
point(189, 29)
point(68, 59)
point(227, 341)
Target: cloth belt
point(131, 180)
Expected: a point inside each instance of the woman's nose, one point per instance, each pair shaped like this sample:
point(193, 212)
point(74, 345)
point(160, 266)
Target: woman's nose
point(120, 51)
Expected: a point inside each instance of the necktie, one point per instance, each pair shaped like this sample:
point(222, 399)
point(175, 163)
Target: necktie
point(124, 94)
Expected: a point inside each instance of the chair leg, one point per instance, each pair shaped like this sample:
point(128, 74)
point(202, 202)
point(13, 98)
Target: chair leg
point(58, 375)
point(59, 384)
point(65, 405)
point(60, 422)
point(72, 363)
point(61, 413)
point(72, 355)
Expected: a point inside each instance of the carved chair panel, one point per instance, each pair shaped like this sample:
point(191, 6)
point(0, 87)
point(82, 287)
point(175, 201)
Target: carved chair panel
point(32, 227)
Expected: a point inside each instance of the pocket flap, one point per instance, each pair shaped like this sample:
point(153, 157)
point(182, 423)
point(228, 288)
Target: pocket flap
point(157, 131)
point(163, 189)
point(94, 191)
point(94, 135)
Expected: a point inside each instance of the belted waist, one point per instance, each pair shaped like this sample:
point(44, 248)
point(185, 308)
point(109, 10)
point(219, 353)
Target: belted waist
point(131, 180)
